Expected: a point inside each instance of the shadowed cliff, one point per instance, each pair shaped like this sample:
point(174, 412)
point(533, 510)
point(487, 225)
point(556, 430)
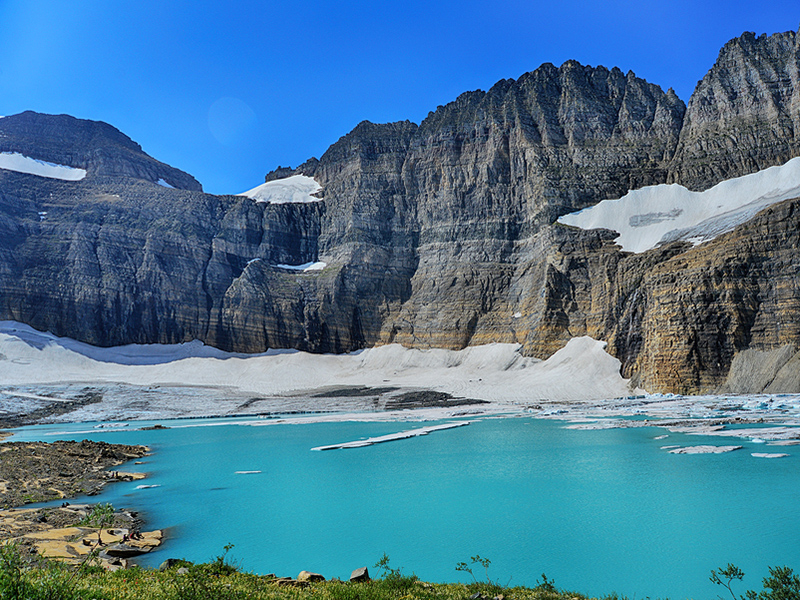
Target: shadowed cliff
point(437, 235)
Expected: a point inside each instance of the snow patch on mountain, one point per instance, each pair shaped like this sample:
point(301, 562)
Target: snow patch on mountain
point(14, 161)
point(297, 188)
point(305, 267)
point(660, 214)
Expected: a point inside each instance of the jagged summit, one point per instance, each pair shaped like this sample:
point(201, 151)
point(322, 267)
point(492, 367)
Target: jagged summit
point(438, 235)
point(744, 115)
point(97, 147)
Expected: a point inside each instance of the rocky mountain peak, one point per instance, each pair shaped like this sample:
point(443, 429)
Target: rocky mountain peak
point(368, 139)
point(97, 147)
point(744, 115)
point(438, 235)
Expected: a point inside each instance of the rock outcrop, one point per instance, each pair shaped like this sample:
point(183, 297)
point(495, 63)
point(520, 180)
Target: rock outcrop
point(97, 147)
point(744, 115)
point(437, 235)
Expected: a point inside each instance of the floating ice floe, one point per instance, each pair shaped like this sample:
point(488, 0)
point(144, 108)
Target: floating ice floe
point(14, 161)
point(659, 214)
point(756, 435)
point(769, 454)
point(596, 426)
point(147, 486)
point(246, 472)
point(704, 449)
point(697, 429)
point(294, 189)
point(402, 435)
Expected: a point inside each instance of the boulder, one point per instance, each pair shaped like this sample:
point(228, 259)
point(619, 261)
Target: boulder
point(169, 563)
point(122, 551)
point(309, 576)
point(360, 574)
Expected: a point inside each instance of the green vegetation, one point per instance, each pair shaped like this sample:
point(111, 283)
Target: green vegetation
point(487, 588)
point(101, 517)
point(54, 581)
point(781, 584)
point(221, 579)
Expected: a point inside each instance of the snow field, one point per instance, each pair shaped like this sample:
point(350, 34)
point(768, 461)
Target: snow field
point(495, 372)
point(13, 161)
point(297, 188)
point(654, 215)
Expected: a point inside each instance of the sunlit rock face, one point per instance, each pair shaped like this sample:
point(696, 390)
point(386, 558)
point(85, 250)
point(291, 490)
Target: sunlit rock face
point(460, 208)
point(744, 115)
point(97, 147)
point(441, 234)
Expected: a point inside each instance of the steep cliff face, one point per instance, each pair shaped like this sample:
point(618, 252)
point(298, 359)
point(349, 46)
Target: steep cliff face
point(677, 316)
point(114, 261)
point(744, 115)
point(437, 235)
point(739, 291)
point(490, 172)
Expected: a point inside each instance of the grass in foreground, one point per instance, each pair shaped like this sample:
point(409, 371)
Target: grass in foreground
point(221, 580)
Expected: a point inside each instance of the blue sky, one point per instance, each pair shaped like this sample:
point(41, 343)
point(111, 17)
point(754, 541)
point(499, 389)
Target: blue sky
point(229, 90)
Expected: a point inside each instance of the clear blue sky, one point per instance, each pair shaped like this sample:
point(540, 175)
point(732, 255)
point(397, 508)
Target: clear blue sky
point(229, 90)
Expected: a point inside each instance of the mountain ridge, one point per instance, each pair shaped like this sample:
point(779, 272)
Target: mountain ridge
point(440, 234)
point(99, 148)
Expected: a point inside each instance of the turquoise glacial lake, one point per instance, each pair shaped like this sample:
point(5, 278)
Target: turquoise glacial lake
point(596, 511)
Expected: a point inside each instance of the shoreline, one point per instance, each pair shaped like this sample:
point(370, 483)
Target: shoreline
point(771, 419)
point(36, 472)
point(694, 414)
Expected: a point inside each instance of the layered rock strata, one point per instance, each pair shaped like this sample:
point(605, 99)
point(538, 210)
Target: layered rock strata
point(744, 115)
point(97, 147)
point(437, 235)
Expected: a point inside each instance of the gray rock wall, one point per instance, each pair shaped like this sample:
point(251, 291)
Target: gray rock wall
point(744, 115)
point(437, 235)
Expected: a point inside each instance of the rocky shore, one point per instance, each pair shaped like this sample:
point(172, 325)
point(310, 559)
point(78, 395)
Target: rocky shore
point(38, 471)
point(66, 534)
point(33, 472)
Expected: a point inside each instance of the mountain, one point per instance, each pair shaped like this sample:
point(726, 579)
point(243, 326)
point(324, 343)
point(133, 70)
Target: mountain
point(96, 147)
point(443, 234)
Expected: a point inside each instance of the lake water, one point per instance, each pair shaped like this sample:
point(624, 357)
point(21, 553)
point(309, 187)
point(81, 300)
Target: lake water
point(596, 511)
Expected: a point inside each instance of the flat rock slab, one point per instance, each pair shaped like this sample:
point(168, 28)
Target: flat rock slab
point(67, 533)
point(57, 549)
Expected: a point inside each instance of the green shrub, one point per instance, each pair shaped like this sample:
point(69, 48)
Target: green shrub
point(781, 584)
point(12, 582)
